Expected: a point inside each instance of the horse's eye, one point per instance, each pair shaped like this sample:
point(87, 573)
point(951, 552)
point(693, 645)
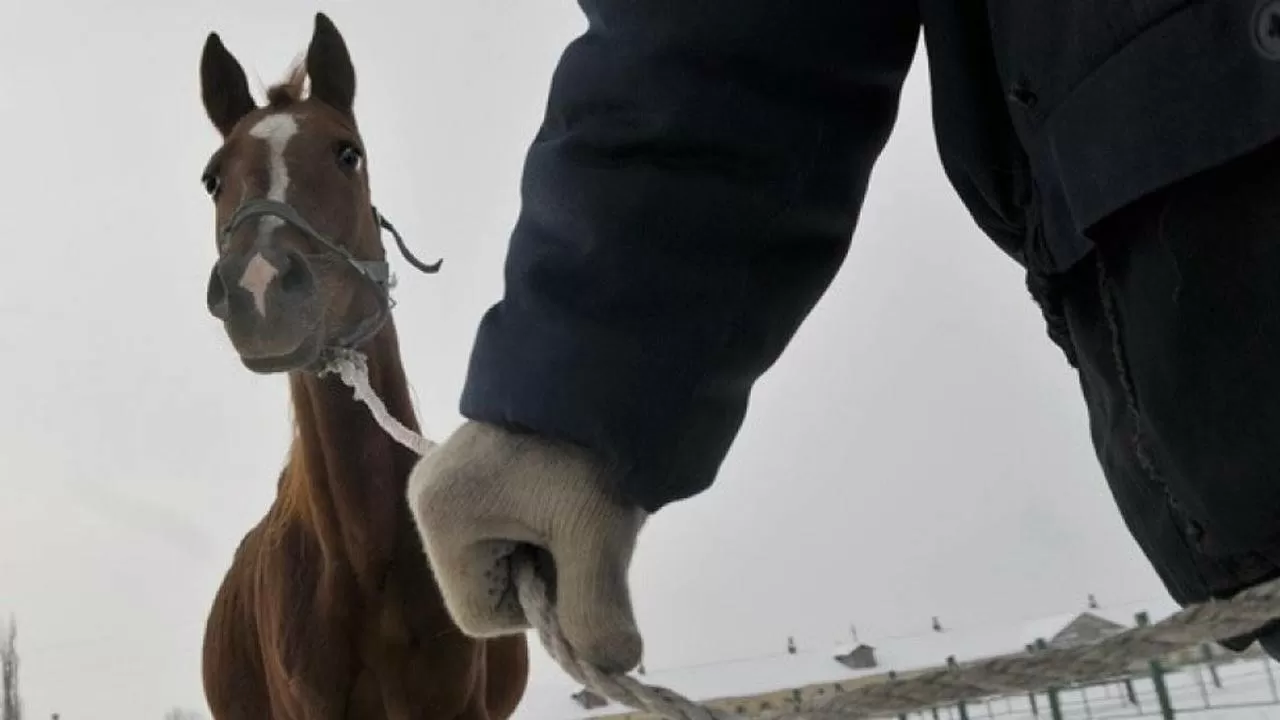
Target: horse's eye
point(211, 184)
point(349, 156)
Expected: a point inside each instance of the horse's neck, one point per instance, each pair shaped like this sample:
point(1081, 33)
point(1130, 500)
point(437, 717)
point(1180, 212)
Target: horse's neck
point(347, 473)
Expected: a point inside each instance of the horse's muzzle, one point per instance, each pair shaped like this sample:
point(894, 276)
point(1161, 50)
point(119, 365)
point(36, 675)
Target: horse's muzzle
point(266, 300)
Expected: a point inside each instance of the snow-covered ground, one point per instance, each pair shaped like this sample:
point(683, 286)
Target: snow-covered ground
point(1250, 691)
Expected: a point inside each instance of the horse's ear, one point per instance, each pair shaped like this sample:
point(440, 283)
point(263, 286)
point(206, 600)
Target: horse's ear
point(223, 86)
point(333, 79)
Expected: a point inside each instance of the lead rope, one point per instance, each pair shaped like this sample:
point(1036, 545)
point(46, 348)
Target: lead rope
point(353, 368)
point(1108, 659)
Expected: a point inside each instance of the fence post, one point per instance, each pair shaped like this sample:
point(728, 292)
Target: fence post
point(1162, 690)
point(1055, 710)
point(1157, 674)
point(1271, 678)
point(1204, 689)
point(1206, 652)
point(1055, 707)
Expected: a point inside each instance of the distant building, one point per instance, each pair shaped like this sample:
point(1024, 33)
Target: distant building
point(1086, 628)
point(861, 657)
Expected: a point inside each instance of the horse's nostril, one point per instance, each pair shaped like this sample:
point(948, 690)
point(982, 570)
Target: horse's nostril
point(216, 296)
point(297, 275)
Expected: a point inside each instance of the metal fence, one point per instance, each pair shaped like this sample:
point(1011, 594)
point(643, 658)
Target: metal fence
point(1215, 686)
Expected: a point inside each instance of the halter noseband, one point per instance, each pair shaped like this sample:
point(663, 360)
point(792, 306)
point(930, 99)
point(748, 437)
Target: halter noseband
point(376, 272)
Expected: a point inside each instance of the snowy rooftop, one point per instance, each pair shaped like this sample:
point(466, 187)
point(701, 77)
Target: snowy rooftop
point(810, 666)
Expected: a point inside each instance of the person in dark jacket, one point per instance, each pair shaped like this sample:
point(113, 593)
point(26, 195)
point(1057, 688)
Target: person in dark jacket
point(694, 187)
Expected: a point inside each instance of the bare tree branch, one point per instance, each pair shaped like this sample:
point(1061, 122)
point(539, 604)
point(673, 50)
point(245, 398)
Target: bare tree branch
point(10, 697)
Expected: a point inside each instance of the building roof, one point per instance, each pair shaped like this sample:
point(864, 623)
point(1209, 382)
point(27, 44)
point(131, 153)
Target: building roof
point(810, 666)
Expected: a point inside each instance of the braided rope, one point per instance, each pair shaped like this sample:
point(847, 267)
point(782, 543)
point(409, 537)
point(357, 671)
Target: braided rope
point(353, 368)
point(1017, 673)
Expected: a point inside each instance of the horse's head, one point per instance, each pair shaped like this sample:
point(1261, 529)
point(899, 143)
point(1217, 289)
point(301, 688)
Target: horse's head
point(301, 268)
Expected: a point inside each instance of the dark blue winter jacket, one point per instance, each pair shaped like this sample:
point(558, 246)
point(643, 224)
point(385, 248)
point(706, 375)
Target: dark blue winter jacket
point(699, 172)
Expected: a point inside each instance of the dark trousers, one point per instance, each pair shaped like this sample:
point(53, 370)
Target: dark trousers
point(1175, 325)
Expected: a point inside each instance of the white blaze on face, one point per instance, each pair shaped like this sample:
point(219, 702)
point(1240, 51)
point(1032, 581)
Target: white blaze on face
point(276, 131)
point(256, 279)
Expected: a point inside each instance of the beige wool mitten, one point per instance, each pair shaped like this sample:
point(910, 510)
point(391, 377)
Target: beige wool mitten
point(486, 492)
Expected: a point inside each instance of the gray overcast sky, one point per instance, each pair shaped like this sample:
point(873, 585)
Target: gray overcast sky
point(920, 450)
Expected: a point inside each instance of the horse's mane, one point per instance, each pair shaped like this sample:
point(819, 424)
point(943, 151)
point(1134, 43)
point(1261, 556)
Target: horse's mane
point(292, 89)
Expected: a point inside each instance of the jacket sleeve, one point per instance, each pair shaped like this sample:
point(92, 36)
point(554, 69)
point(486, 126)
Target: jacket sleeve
point(690, 194)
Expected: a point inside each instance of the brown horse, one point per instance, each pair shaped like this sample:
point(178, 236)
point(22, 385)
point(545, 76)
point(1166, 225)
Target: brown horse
point(329, 609)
